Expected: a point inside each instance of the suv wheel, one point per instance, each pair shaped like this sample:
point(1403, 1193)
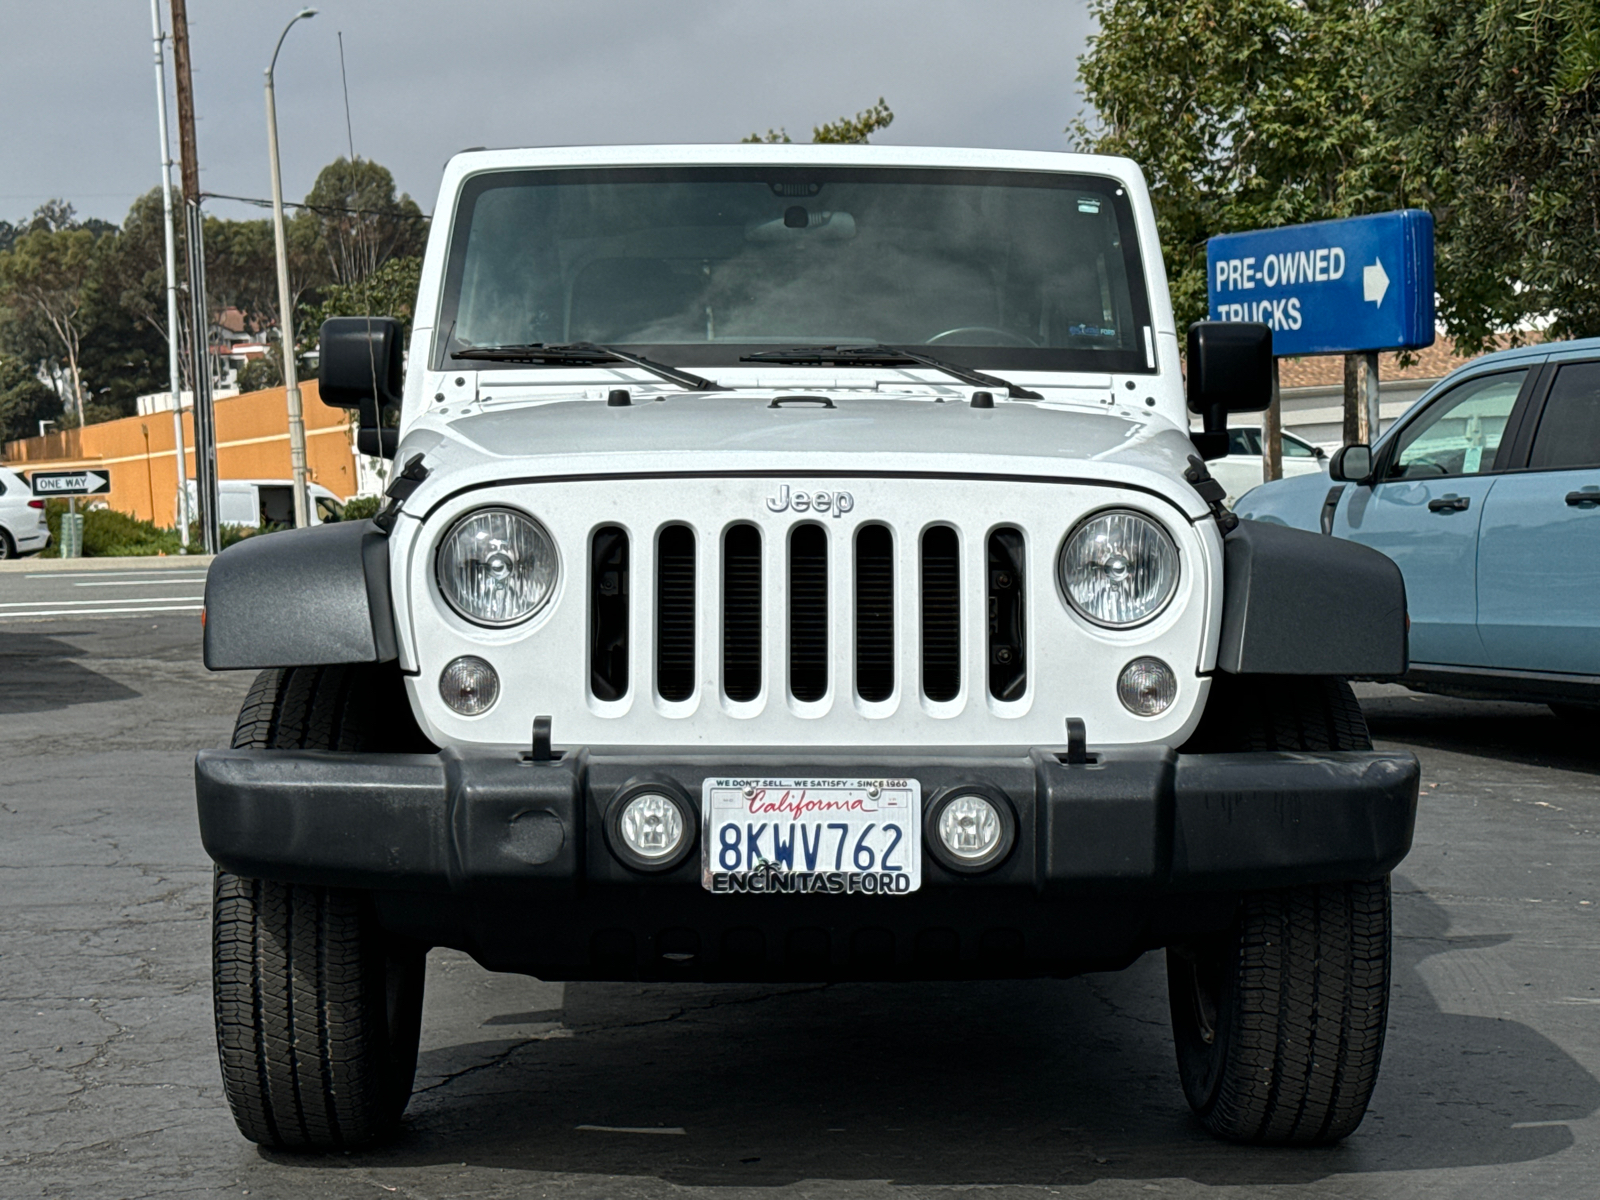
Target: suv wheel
point(318, 1010)
point(1279, 1023)
point(8, 548)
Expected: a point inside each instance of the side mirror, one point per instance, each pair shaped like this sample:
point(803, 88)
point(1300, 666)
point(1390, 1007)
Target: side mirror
point(1351, 464)
point(361, 367)
point(1230, 370)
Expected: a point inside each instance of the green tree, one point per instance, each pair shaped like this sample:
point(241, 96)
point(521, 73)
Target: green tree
point(1243, 114)
point(1490, 118)
point(390, 291)
point(362, 223)
point(24, 401)
point(853, 131)
point(44, 280)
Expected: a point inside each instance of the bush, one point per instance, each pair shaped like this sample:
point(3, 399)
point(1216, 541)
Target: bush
point(360, 508)
point(110, 534)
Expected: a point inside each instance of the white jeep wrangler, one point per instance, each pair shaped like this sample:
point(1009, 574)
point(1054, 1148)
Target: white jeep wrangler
point(798, 565)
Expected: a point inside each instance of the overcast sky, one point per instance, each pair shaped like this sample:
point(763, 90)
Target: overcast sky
point(430, 77)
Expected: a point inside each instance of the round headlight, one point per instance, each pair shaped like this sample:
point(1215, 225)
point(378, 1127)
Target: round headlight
point(497, 567)
point(1118, 568)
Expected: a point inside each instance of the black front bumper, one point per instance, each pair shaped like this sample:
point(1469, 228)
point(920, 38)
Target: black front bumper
point(506, 858)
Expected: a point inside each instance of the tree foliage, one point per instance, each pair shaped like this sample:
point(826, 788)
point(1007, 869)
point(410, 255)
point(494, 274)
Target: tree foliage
point(1244, 114)
point(853, 131)
point(83, 303)
point(1248, 114)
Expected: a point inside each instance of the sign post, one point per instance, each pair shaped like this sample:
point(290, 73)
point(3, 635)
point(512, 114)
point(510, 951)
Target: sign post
point(1351, 287)
point(70, 484)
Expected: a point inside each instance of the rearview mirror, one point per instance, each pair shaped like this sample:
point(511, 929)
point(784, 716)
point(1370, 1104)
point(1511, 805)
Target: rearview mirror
point(1351, 464)
point(360, 367)
point(1230, 370)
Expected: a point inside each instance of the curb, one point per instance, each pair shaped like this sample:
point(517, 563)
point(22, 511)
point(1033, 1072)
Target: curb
point(137, 562)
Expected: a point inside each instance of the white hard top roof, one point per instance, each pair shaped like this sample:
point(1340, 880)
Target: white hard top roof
point(470, 162)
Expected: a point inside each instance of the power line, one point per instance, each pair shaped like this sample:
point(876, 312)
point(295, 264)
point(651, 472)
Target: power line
point(322, 208)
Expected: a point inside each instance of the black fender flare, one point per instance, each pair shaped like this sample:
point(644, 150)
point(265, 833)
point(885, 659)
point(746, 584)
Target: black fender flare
point(1298, 603)
point(301, 598)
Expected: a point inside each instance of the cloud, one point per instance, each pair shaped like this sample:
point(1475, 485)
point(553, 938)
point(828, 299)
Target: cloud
point(428, 78)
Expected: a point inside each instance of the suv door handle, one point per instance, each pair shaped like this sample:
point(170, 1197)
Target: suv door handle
point(1451, 503)
point(1583, 499)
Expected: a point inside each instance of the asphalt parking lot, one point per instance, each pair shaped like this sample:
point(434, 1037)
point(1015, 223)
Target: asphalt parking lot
point(1491, 1083)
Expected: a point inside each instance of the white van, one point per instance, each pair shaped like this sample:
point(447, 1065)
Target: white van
point(257, 502)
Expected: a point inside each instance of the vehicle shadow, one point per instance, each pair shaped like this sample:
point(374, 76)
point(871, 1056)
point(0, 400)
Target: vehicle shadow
point(38, 674)
point(1042, 1082)
point(1511, 732)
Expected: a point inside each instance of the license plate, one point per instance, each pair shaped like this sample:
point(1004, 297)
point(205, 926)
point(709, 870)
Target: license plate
point(808, 836)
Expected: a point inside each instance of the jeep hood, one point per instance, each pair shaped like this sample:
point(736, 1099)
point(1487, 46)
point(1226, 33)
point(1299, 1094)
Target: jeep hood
point(751, 430)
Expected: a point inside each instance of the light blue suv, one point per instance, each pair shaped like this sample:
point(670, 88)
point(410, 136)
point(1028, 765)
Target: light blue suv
point(1487, 495)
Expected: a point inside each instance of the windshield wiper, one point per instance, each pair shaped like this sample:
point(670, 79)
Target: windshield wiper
point(886, 356)
point(578, 354)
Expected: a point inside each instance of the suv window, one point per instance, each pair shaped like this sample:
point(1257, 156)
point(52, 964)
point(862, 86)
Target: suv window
point(1244, 441)
point(1293, 447)
point(1569, 429)
point(1460, 432)
point(329, 510)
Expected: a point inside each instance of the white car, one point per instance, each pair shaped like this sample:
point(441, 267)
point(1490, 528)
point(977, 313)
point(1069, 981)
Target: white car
point(22, 518)
point(797, 565)
point(1240, 469)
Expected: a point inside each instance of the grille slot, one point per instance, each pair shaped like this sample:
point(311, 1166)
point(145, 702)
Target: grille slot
point(808, 612)
point(1008, 676)
point(874, 612)
point(608, 613)
point(741, 612)
point(675, 612)
point(941, 613)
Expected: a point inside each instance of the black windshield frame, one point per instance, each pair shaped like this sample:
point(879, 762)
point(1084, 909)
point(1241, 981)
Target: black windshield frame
point(691, 355)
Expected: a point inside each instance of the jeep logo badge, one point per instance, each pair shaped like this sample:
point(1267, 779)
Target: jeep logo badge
point(836, 503)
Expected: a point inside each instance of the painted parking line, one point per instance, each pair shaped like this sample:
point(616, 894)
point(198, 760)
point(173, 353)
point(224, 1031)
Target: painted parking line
point(169, 573)
point(98, 612)
point(108, 600)
point(142, 582)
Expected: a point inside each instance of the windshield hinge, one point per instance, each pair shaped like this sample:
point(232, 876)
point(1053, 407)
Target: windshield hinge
point(1212, 493)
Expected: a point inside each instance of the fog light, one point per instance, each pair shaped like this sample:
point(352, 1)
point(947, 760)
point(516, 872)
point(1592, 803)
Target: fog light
point(649, 827)
point(1147, 687)
point(469, 686)
point(971, 830)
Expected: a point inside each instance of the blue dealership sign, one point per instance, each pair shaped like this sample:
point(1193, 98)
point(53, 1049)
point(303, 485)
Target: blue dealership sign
point(1331, 287)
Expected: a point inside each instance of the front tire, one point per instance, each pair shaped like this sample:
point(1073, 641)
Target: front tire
point(1279, 1023)
point(318, 1009)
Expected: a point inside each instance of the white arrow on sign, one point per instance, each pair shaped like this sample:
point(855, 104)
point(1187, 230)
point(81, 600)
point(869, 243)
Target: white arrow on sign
point(1374, 282)
point(84, 483)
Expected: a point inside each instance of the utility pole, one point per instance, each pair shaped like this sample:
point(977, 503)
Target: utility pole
point(1361, 426)
point(1272, 431)
point(291, 374)
point(205, 434)
point(174, 375)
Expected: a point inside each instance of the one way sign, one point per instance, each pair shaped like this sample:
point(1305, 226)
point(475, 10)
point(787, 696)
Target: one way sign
point(70, 483)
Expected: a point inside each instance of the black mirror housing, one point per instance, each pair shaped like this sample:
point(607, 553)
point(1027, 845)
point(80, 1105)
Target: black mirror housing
point(361, 367)
point(1230, 367)
point(1351, 464)
point(1230, 370)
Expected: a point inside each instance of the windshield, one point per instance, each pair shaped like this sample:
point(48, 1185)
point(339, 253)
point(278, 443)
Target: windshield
point(701, 265)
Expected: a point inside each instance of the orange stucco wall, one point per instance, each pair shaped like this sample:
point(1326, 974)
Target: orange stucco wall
point(252, 443)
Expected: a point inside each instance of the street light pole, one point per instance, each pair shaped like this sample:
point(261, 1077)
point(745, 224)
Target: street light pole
point(291, 378)
point(174, 378)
